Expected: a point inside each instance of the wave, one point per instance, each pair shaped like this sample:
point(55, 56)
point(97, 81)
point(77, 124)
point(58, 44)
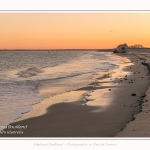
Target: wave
point(33, 71)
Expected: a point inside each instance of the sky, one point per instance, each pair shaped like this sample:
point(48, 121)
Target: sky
point(73, 30)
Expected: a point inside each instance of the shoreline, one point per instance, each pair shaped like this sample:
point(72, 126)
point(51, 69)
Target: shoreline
point(140, 126)
point(66, 119)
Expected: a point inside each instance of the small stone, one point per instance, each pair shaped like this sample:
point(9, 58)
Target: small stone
point(133, 94)
point(133, 118)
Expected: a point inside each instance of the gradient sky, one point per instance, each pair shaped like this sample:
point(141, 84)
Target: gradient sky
point(60, 30)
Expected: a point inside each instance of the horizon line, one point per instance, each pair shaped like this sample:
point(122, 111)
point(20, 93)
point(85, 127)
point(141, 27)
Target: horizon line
point(5, 49)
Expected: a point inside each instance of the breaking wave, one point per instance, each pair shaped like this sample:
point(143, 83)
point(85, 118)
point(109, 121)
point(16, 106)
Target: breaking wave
point(33, 71)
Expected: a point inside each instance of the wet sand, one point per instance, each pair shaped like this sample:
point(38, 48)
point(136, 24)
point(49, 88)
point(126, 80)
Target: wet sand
point(103, 110)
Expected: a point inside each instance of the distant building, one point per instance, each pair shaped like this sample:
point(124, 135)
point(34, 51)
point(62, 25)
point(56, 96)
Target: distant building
point(122, 48)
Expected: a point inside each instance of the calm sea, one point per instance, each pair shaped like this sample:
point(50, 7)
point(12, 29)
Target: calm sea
point(22, 72)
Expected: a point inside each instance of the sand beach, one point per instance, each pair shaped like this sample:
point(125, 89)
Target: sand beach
point(115, 105)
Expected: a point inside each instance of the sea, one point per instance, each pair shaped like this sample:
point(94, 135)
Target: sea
point(23, 72)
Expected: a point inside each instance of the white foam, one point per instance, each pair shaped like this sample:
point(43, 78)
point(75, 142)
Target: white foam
point(33, 71)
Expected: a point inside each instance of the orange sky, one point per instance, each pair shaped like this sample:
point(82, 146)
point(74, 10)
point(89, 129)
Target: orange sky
point(60, 30)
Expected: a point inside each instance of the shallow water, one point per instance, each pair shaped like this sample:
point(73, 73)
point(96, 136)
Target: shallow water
point(28, 77)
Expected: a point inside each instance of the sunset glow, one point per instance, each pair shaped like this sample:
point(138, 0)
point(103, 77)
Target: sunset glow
point(73, 30)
